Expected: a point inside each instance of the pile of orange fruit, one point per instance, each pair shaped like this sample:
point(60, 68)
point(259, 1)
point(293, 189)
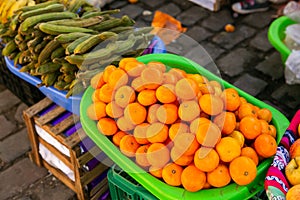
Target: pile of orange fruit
point(182, 128)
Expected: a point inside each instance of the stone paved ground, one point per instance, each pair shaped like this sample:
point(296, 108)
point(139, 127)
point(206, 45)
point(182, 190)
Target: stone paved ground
point(244, 58)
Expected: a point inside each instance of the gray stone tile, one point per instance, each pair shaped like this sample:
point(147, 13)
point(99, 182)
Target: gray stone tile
point(171, 9)
point(261, 42)
point(259, 20)
point(183, 4)
point(250, 84)
point(213, 50)
point(14, 146)
point(229, 40)
point(18, 177)
point(7, 127)
point(132, 10)
point(288, 95)
point(234, 62)
point(198, 33)
point(272, 66)
point(153, 4)
point(118, 4)
point(192, 15)
point(19, 113)
point(7, 100)
point(217, 21)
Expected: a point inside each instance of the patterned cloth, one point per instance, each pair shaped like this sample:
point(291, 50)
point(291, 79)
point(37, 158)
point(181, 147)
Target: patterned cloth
point(276, 184)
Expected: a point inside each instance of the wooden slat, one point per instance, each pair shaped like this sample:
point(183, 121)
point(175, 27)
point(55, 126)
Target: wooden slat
point(50, 115)
point(99, 169)
point(75, 138)
point(60, 175)
point(63, 125)
point(99, 186)
point(100, 192)
point(38, 107)
point(86, 157)
point(59, 138)
point(58, 154)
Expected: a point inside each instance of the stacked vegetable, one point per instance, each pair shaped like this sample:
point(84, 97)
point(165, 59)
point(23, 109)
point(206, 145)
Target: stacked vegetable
point(65, 45)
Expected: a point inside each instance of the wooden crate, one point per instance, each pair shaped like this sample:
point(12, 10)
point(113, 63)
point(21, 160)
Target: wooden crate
point(77, 159)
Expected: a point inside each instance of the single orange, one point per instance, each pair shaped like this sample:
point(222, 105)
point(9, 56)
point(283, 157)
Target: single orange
point(113, 110)
point(228, 149)
point(273, 131)
point(116, 138)
point(152, 77)
point(197, 78)
point(158, 155)
point(226, 122)
point(155, 171)
point(265, 145)
point(179, 158)
point(167, 113)
point(240, 138)
point(141, 156)
point(139, 133)
point(124, 96)
point(157, 132)
point(206, 159)
point(211, 104)
point(265, 129)
point(208, 134)
point(250, 127)
point(158, 65)
point(219, 177)
point(231, 99)
point(179, 73)
point(147, 97)
point(135, 113)
point(134, 68)
point(189, 110)
point(242, 170)
point(95, 95)
point(264, 114)
point(137, 84)
point(124, 125)
point(106, 93)
point(193, 179)
point(166, 93)
point(117, 78)
point(186, 89)
point(194, 125)
point(171, 174)
point(246, 109)
point(97, 81)
point(128, 145)
point(107, 72)
point(124, 61)
point(151, 114)
point(177, 128)
point(251, 153)
point(206, 88)
point(107, 126)
point(96, 110)
point(186, 143)
point(169, 78)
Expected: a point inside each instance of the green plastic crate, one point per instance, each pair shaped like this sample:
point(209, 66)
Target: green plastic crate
point(276, 35)
point(157, 187)
point(123, 187)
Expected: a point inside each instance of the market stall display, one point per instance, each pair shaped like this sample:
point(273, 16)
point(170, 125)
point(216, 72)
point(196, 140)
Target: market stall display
point(152, 184)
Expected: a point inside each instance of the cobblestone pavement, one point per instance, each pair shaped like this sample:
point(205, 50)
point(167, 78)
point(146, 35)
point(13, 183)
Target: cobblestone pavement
point(245, 58)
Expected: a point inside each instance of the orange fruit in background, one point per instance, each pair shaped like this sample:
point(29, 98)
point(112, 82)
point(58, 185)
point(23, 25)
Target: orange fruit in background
point(139, 133)
point(147, 97)
point(211, 104)
point(157, 132)
point(135, 113)
point(186, 89)
point(158, 155)
point(246, 109)
point(124, 61)
point(106, 93)
point(272, 131)
point(250, 126)
point(188, 110)
point(186, 143)
point(192, 178)
point(219, 177)
point(238, 136)
point(231, 99)
point(206, 88)
point(293, 193)
point(97, 81)
point(107, 71)
point(137, 84)
point(197, 78)
point(141, 156)
point(295, 149)
point(229, 28)
point(179, 73)
point(151, 114)
point(152, 77)
point(194, 125)
point(208, 134)
point(116, 138)
point(265, 145)
point(228, 148)
point(171, 174)
point(169, 78)
point(167, 113)
point(95, 95)
point(264, 114)
point(177, 128)
point(124, 95)
point(96, 110)
point(158, 65)
point(206, 159)
point(166, 93)
point(226, 122)
point(155, 171)
point(134, 68)
point(242, 170)
point(113, 110)
point(128, 145)
point(265, 128)
point(117, 78)
point(107, 126)
point(251, 153)
point(124, 125)
point(179, 158)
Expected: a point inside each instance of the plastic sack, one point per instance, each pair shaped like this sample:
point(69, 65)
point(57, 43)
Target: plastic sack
point(292, 39)
point(99, 3)
point(292, 10)
point(292, 68)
